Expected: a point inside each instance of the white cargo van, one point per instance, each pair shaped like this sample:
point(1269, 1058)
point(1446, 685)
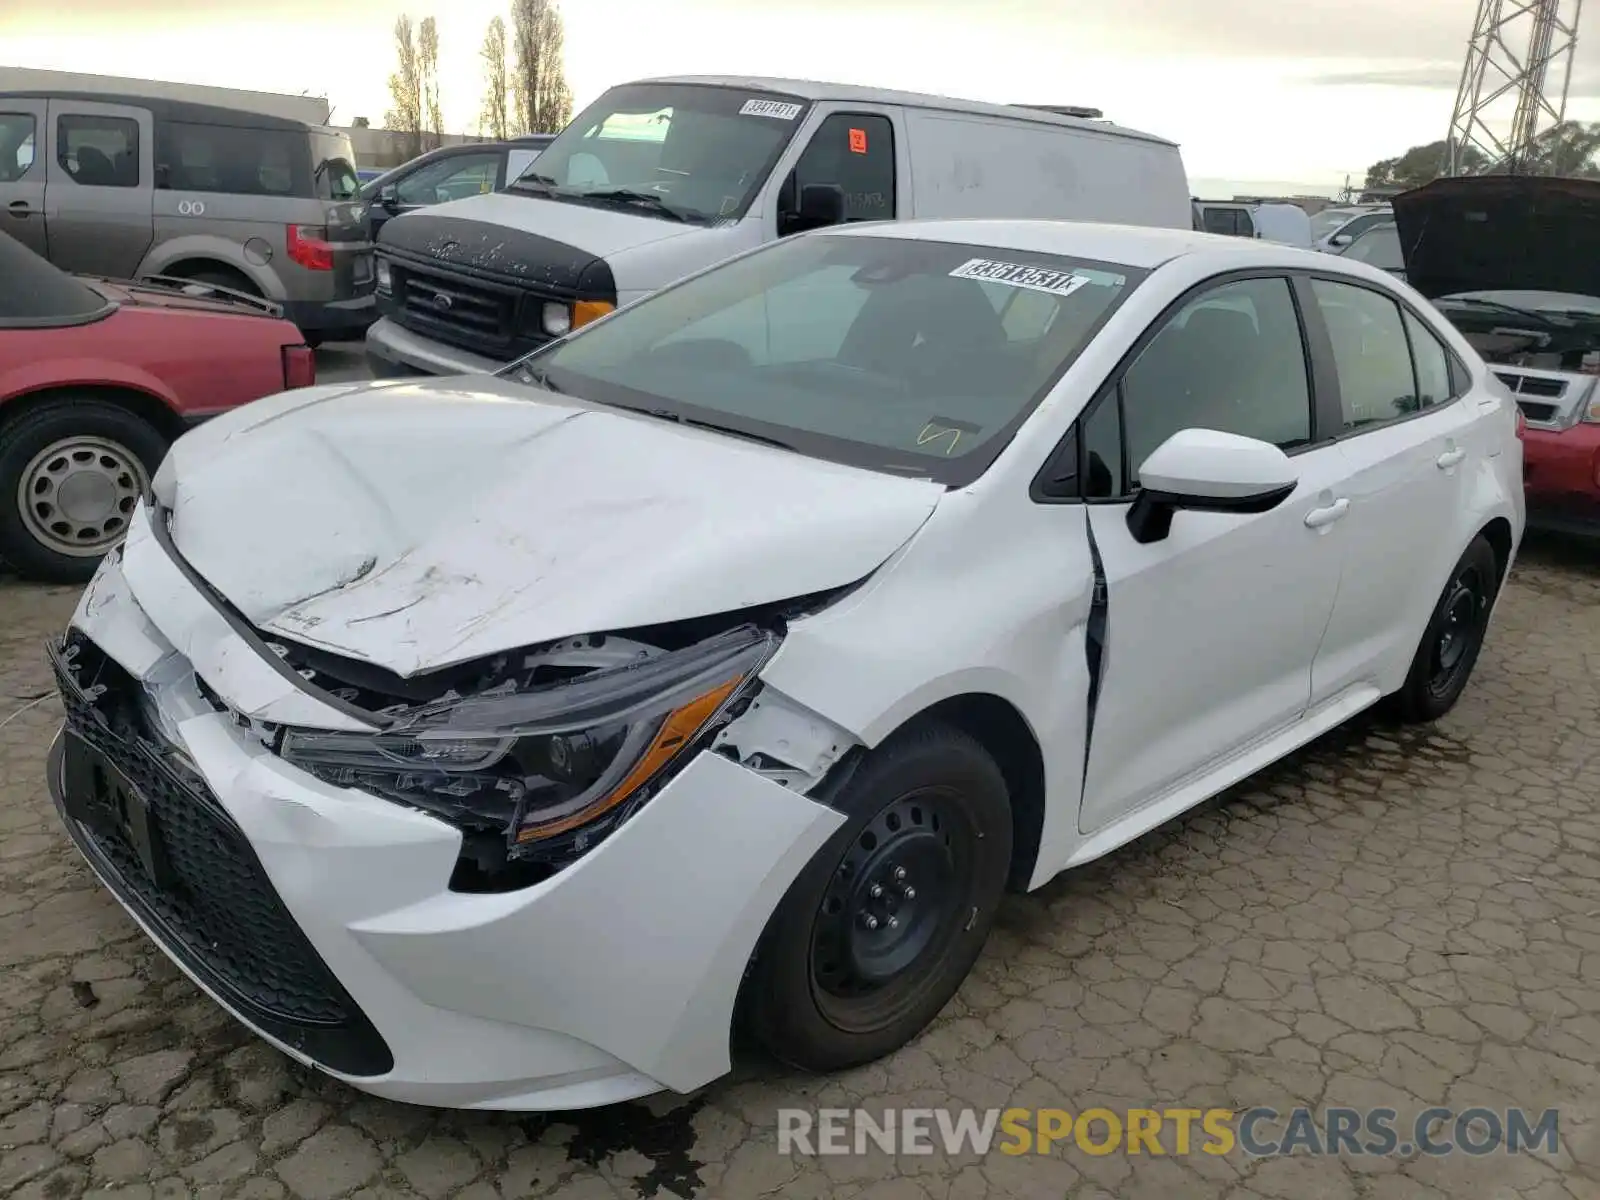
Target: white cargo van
point(659, 179)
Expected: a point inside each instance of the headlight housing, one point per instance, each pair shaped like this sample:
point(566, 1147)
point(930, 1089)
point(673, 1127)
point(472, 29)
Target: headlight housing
point(549, 765)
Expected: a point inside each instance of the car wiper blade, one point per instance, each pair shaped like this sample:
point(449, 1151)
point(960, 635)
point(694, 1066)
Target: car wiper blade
point(532, 181)
point(666, 414)
point(628, 196)
point(1514, 310)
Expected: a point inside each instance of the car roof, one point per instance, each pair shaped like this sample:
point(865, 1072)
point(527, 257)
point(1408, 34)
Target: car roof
point(814, 90)
point(1139, 246)
point(175, 110)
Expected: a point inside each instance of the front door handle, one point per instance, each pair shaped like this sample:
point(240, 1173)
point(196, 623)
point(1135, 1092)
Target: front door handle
point(19, 208)
point(1319, 517)
point(1450, 458)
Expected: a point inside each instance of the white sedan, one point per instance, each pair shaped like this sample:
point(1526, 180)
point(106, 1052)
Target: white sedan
point(501, 742)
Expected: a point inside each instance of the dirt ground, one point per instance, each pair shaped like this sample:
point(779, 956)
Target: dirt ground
point(1389, 919)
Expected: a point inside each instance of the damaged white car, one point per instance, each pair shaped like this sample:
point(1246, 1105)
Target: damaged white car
point(503, 741)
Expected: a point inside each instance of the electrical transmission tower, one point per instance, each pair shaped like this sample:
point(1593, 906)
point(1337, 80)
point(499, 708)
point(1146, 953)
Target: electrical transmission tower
point(1514, 82)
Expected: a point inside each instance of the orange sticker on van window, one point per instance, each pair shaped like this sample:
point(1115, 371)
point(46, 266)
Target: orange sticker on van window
point(858, 141)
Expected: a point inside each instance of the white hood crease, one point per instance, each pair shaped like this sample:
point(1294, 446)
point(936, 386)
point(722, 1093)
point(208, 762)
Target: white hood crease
point(419, 525)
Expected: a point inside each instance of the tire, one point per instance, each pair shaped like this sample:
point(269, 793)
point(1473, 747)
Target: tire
point(1449, 648)
point(824, 991)
point(100, 454)
point(314, 338)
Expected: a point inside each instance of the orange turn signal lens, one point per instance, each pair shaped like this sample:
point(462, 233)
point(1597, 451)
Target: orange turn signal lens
point(677, 731)
point(585, 311)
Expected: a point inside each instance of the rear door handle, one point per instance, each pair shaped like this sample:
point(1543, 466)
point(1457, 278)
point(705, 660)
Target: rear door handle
point(1450, 458)
point(19, 208)
point(1319, 517)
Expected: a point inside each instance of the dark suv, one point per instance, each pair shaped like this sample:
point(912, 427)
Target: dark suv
point(131, 187)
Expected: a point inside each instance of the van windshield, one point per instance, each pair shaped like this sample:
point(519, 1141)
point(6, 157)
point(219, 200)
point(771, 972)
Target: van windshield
point(675, 151)
point(896, 354)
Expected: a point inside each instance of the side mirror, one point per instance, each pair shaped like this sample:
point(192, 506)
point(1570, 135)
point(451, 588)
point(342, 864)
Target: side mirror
point(389, 196)
point(817, 206)
point(1341, 239)
point(1207, 471)
point(821, 204)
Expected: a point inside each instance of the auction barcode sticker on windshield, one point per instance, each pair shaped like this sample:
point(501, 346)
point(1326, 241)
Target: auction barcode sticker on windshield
point(1038, 279)
point(776, 109)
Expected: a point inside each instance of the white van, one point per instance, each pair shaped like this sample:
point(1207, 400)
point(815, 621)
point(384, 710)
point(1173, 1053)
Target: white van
point(659, 179)
point(1286, 224)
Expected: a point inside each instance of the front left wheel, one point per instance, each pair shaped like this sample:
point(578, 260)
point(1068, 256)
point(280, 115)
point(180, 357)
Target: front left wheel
point(878, 932)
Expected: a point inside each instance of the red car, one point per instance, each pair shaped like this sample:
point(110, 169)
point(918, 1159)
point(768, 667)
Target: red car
point(1514, 262)
point(96, 380)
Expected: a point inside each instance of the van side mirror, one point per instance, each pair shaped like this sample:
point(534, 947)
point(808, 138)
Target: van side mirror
point(817, 206)
point(389, 196)
point(1207, 471)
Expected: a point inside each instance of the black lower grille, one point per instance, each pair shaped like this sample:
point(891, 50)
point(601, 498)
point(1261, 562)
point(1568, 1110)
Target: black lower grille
point(163, 842)
point(496, 320)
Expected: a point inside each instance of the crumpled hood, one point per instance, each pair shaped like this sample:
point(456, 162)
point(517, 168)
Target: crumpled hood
point(416, 525)
point(1499, 232)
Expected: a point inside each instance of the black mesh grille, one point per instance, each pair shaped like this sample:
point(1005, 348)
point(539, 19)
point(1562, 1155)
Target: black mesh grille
point(165, 844)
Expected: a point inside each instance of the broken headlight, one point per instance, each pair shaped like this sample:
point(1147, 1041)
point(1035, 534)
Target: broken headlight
point(544, 762)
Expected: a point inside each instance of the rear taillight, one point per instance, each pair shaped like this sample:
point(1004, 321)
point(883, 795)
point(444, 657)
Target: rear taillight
point(309, 246)
point(1522, 424)
point(299, 367)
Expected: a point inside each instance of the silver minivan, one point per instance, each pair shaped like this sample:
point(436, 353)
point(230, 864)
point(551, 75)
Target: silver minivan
point(131, 187)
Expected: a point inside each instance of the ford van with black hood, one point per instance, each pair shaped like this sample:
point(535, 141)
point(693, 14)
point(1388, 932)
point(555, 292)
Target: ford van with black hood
point(661, 178)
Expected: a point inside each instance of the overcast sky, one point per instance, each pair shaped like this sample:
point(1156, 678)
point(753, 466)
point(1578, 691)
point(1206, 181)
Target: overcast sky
point(1254, 90)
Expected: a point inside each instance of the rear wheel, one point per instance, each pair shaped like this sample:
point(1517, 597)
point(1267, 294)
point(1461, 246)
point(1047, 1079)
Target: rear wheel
point(1449, 649)
point(880, 929)
point(71, 472)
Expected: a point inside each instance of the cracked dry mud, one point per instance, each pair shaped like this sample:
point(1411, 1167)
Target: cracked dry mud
point(1394, 919)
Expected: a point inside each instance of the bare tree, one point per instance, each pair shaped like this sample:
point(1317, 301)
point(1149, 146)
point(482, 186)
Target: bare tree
point(543, 99)
point(428, 73)
point(496, 117)
point(405, 88)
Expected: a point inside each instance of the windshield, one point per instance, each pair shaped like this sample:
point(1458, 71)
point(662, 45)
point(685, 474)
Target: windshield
point(1555, 331)
point(1329, 220)
point(687, 151)
point(894, 354)
point(1379, 246)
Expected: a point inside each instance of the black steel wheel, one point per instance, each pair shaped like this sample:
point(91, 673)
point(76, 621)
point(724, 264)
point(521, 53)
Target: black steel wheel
point(880, 929)
point(1449, 648)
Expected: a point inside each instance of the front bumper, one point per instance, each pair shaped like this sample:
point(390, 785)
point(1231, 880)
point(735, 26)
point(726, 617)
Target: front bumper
point(615, 978)
point(1561, 479)
point(393, 351)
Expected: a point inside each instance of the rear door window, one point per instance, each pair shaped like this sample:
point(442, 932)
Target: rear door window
point(97, 151)
point(1377, 383)
point(227, 160)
